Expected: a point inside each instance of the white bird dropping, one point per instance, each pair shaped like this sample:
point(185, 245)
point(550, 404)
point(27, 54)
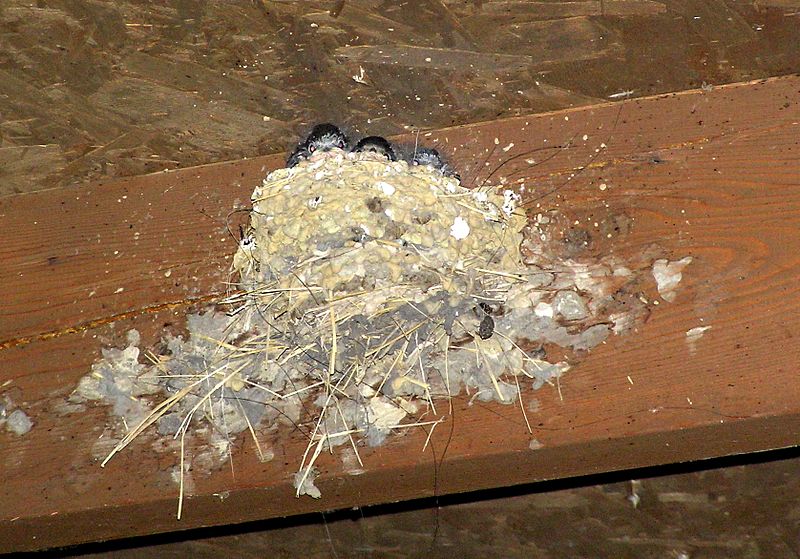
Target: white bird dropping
point(460, 228)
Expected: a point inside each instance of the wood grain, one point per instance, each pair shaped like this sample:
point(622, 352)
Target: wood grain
point(711, 174)
point(96, 90)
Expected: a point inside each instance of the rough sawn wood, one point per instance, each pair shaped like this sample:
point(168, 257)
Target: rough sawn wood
point(711, 174)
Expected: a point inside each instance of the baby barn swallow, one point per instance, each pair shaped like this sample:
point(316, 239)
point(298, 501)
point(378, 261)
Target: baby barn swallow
point(376, 144)
point(323, 137)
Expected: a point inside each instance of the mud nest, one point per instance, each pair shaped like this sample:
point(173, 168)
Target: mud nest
point(366, 294)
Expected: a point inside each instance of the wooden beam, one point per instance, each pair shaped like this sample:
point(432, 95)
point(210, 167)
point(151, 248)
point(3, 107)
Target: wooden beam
point(711, 174)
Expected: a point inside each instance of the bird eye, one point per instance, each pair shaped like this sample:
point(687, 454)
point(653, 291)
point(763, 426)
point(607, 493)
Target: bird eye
point(312, 148)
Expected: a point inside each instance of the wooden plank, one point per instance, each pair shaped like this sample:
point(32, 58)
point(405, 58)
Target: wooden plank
point(713, 511)
point(174, 222)
point(711, 174)
point(127, 88)
point(115, 248)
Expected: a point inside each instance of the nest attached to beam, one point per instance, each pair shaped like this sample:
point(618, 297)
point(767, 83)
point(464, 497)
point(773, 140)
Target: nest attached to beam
point(368, 293)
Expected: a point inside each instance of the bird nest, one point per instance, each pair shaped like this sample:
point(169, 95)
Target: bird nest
point(369, 292)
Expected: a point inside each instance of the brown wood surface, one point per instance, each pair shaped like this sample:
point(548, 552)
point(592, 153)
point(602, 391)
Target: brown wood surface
point(710, 513)
point(94, 90)
point(711, 174)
